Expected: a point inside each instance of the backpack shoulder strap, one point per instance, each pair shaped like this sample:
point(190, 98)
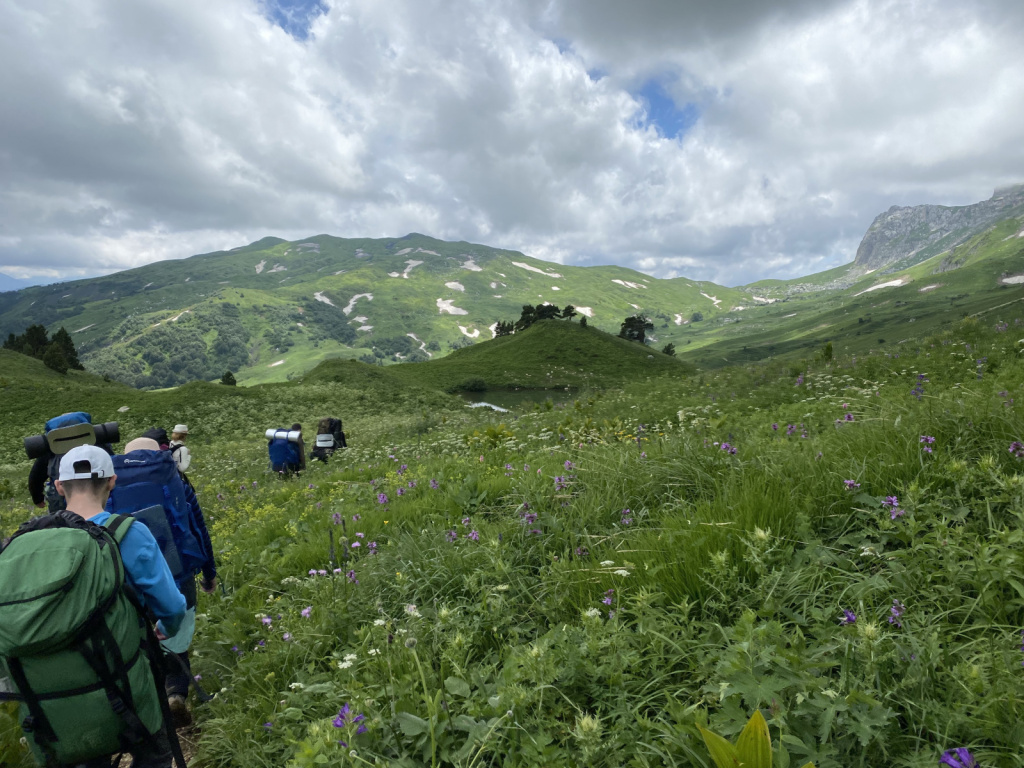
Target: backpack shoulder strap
point(118, 526)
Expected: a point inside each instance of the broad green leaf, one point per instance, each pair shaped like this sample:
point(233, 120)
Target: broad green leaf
point(722, 752)
point(807, 765)
point(754, 747)
point(457, 687)
point(412, 725)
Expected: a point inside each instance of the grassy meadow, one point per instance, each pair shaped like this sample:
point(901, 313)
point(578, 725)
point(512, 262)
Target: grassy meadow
point(836, 543)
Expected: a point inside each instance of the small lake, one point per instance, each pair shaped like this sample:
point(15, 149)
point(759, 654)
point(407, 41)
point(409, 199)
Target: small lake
point(515, 398)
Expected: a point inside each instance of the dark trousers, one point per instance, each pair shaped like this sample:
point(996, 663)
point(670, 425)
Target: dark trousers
point(153, 754)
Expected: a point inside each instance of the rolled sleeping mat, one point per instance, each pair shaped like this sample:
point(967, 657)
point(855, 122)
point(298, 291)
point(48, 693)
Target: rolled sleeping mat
point(284, 434)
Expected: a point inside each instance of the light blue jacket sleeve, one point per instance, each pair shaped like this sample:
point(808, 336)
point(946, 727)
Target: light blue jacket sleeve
point(148, 573)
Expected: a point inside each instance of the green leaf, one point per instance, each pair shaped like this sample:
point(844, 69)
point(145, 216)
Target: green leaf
point(722, 752)
point(754, 747)
point(457, 687)
point(807, 765)
point(412, 725)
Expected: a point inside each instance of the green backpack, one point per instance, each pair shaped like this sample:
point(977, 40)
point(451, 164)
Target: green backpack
point(74, 641)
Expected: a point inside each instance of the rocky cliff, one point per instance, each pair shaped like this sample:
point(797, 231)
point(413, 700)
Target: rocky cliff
point(905, 236)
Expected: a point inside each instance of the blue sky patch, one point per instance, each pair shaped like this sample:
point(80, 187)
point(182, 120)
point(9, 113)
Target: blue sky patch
point(670, 120)
point(294, 16)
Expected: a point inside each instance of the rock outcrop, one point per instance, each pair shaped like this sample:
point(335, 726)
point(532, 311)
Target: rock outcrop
point(908, 235)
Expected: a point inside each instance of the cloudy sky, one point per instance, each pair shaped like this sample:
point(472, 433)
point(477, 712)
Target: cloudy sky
point(729, 141)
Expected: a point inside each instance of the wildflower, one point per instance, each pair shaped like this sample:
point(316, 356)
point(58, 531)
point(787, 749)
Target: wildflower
point(336, 517)
point(607, 599)
point(569, 465)
point(342, 719)
point(959, 758)
point(895, 612)
point(890, 501)
point(509, 467)
point(412, 483)
point(267, 621)
point(253, 483)
point(622, 572)
point(287, 637)
point(926, 439)
point(350, 657)
point(307, 611)
point(296, 686)
point(344, 665)
point(359, 731)
point(896, 512)
point(356, 518)
point(1017, 449)
point(379, 622)
point(592, 613)
point(220, 497)
point(851, 485)
point(372, 652)
point(372, 547)
point(400, 491)
point(582, 552)
point(451, 536)
point(643, 454)
point(312, 571)
point(434, 485)
point(473, 535)
point(268, 726)
point(410, 642)
point(526, 467)
point(321, 573)
point(727, 448)
point(351, 575)
point(360, 535)
point(791, 429)
point(537, 532)
point(356, 545)
point(412, 611)
point(401, 469)
point(848, 617)
point(775, 427)
point(848, 417)
point(529, 518)
point(607, 562)
point(465, 521)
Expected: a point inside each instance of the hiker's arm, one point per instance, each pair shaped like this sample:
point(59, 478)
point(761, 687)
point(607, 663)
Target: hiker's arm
point(37, 480)
point(209, 565)
point(149, 575)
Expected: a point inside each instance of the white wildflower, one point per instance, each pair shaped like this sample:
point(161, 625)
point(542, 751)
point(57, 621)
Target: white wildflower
point(622, 572)
point(344, 664)
point(379, 622)
point(296, 686)
point(372, 652)
point(592, 613)
point(350, 657)
point(603, 562)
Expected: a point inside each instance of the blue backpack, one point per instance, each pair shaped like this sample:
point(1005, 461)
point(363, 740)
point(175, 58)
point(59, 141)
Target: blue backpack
point(284, 455)
point(148, 479)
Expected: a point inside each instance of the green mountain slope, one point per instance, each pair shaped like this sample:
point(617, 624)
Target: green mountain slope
point(274, 309)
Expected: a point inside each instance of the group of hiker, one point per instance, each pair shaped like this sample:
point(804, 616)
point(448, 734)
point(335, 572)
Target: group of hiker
point(98, 596)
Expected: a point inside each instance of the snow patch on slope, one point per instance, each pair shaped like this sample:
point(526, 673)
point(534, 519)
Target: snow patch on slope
point(446, 305)
point(410, 264)
point(712, 299)
point(423, 344)
point(628, 284)
point(585, 311)
point(260, 266)
point(891, 284)
point(319, 296)
point(347, 309)
point(474, 335)
point(472, 266)
point(521, 265)
point(455, 286)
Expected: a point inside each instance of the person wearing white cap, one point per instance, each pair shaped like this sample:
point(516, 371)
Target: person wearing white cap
point(85, 480)
point(182, 456)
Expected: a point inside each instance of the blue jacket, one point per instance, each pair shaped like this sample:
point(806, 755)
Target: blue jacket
point(209, 567)
point(147, 572)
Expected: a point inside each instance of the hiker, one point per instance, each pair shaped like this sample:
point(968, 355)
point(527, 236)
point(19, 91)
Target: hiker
point(329, 438)
point(83, 659)
point(152, 490)
point(177, 446)
point(69, 429)
point(286, 449)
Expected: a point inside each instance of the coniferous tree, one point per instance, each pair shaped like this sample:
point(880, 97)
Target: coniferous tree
point(54, 359)
point(635, 327)
point(63, 340)
point(228, 379)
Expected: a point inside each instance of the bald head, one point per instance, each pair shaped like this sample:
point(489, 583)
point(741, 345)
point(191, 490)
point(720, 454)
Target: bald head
point(142, 444)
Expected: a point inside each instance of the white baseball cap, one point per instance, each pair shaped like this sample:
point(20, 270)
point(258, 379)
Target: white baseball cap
point(182, 428)
point(86, 462)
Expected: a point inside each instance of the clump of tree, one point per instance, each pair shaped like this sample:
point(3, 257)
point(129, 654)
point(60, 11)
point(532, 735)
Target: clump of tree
point(228, 379)
point(531, 314)
point(669, 349)
point(58, 353)
point(635, 327)
point(696, 317)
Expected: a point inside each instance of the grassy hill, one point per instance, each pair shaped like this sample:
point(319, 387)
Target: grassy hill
point(550, 354)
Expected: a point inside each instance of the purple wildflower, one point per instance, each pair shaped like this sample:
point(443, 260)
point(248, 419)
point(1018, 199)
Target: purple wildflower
point(356, 518)
point(848, 417)
point(959, 758)
point(473, 535)
point(643, 454)
point(775, 427)
point(382, 498)
point(360, 535)
point(1017, 449)
point(361, 729)
point(342, 719)
point(848, 617)
point(372, 546)
point(584, 552)
point(607, 599)
point(400, 491)
point(287, 637)
point(267, 621)
point(307, 611)
point(268, 726)
point(312, 571)
point(465, 521)
point(569, 466)
point(434, 485)
point(321, 573)
point(352, 577)
point(791, 429)
point(727, 448)
point(451, 536)
point(890, 501)
point(529, 518)
point(356, 545)
point(895, 612)
point(851, 485)
point(412, 483)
